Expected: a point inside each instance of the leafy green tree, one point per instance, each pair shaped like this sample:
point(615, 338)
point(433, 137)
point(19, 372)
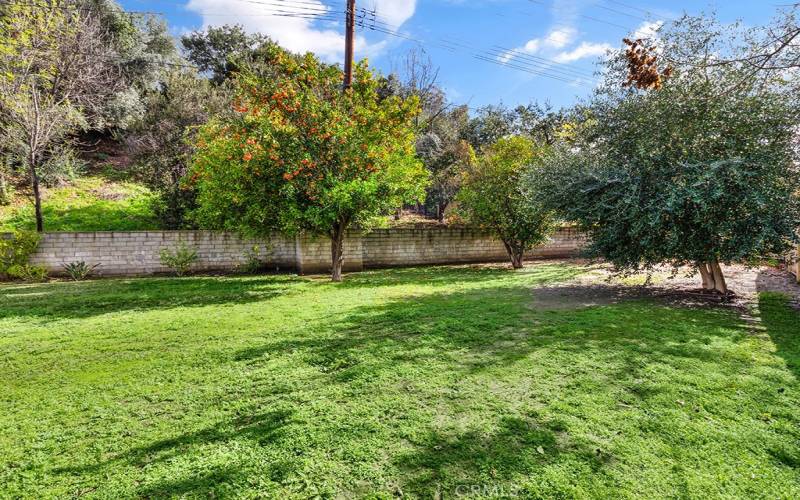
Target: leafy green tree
point(162, 142)
point(217, 49)
point(302, 155)
point(493, 196)
point(68, 67)
point(445, 155)
point(492, 123)
point(771, 50)
point(439, 127)
point(140, 49)
point(447, 171)
point(698, 172)
point(46, 81)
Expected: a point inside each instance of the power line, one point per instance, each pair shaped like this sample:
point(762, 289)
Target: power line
point(312, 10)
point(594, 19)
point(465, 44)
point(486, 56)
point(546, 63)
point(533, 64)
point(629, 6)
point(322, 17)
point(289, 5)
point(621, 12)
point(369, 19)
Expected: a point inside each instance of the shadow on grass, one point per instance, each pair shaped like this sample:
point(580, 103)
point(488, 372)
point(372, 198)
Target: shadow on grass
point(65, 300)
point(492, 326)
point(782, 323)
point(86, 299)
point(603, 352)
point(452, 465)
point(208, 484)
point(542, 271)
point(491, 329)
point(259, 429)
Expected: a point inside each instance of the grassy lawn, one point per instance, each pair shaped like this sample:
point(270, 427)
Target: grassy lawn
point(405, 381)
point(88, 204)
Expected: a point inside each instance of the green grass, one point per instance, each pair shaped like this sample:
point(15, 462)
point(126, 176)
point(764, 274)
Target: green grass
point(412, 381)
point(88, 204)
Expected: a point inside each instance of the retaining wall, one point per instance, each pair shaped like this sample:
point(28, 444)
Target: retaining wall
point(137, 253)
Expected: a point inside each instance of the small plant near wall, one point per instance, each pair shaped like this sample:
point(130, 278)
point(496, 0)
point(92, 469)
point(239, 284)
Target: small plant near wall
point(15, 252)
point(79, 271)
point(255, 261)
point(179, 259)
point(27, 272)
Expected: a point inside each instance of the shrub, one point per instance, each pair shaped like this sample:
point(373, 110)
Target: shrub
point(16, 250)
point(27, 272)
point(179, 259)
point(79, 271)
point(63, 165)
point(254, 262)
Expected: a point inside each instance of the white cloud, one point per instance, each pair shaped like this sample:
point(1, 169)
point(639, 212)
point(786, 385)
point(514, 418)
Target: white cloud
point(560, 37)
point(393, 12)
point(556, 39)
point(301, 34)
point(559, 45)
point(532, 46)
point(648, 29)
point(582, 51)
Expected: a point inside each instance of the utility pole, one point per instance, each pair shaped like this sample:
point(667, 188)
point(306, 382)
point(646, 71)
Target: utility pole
point(349, 44)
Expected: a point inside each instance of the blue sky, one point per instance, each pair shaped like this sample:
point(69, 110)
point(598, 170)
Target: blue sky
point(488, 51)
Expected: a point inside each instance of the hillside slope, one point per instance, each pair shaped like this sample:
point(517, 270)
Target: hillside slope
point(92, 203)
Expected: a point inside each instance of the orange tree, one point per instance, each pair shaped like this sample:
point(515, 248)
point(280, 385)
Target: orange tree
point(299, 154)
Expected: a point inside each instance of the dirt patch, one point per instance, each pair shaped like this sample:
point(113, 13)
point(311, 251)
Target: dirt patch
point(598, 285)
point(577, 295)
point(110, 192)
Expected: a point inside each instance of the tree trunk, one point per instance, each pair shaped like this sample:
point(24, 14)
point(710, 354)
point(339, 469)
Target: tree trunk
point(708, 277)
point(337, 251)
point(713, 278)
point(37, 197)
point(516, 261)
point(516, 255)
point(5, 199)
point(719, 278)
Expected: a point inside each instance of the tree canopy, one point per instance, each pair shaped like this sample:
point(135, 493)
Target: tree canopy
point(302, 155)
point(695, 171)
point(494, 197)
point(65, 68)
point(219, 50)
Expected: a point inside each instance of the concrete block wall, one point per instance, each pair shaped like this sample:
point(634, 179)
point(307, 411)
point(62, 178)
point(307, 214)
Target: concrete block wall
point(137, 253)
point(566, 242)
point(314, 253)
point(427, 246)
